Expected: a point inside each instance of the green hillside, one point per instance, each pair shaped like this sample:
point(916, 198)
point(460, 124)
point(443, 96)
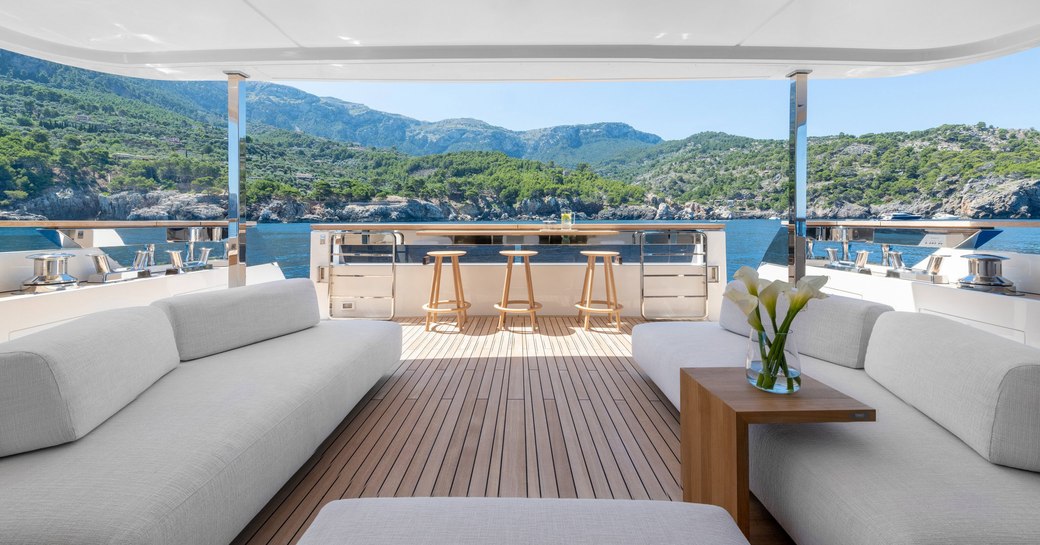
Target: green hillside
point(291, 109)
point(65, 129)
point(288, 108)
point(98, 141)
point(923, 170)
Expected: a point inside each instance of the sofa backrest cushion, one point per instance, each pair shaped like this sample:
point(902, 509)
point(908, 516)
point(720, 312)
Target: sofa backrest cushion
point(211, 322)
point(837, 329)
point(983, 388)
point(60, 383)
point(730, 316)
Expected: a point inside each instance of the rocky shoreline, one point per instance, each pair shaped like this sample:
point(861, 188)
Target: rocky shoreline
point(982, 198)
point(171, 205)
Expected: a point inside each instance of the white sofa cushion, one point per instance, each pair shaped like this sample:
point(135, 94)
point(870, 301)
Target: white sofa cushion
point(982, 388)
point(901, 480)
point(216, 321)
point(730, 316)
point(520, 521)
point(837, 329)
point(198, 454)
point(59, 384)
point(661, 349)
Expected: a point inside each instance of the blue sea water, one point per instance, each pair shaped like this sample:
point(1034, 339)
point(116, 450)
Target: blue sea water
point(289, 246)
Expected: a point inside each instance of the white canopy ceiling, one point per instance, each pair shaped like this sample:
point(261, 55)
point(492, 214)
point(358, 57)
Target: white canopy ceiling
point(517, 39)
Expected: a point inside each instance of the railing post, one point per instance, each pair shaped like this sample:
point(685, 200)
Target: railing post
point(236, 243)
point(797, 175)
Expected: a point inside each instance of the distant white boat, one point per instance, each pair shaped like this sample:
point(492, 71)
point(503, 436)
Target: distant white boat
point(902, 216)
point(946, 217)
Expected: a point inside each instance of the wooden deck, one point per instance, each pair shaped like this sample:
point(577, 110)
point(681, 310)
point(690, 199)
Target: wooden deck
point(557, 413)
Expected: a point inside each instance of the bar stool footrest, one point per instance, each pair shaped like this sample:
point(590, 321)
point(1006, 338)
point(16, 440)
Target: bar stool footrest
point(526, 308)
point(605, 309)
point(435, 308)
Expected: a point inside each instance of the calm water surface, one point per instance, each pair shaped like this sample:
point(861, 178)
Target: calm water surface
point(289, 245)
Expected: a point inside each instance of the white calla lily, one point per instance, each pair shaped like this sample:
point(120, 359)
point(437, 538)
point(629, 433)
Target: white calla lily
point(754, 319)
point(808, 288)
point(770, 294)
point(753, 293)
point(749, 277)
point(744, 300)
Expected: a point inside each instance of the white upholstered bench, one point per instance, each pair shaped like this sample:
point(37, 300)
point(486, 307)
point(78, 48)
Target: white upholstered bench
point(519, 521)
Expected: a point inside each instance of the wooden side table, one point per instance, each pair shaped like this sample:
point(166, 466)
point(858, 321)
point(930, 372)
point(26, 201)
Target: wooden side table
point(717, 405)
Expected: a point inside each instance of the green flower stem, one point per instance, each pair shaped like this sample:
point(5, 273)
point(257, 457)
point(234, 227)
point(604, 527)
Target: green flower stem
point(774, 359)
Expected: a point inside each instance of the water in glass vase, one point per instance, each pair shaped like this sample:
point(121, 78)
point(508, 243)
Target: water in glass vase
point(772, 364)
point(783, 384)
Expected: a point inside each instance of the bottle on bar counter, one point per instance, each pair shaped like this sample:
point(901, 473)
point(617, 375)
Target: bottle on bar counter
point(567, 220)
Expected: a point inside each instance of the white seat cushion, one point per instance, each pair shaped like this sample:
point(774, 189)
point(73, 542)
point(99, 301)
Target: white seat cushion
point(516, 521)
point(661, 349)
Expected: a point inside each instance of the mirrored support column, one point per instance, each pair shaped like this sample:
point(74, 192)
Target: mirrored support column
point(797, 175)
point(236, 242)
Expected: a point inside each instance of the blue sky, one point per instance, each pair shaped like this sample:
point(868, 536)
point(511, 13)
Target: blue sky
point(1004, 92)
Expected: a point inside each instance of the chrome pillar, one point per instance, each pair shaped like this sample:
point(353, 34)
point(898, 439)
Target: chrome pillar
point(797, 175)
point(236, 242)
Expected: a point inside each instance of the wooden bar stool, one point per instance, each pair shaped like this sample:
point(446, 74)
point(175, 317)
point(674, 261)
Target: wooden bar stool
point(589, 306)
point(530, 307)
point(459, 303)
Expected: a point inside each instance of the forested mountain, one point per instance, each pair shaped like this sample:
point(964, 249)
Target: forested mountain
point(288, 108)
point(974, 171)
point(76, 148)
point(79, 144)
point(292, 109)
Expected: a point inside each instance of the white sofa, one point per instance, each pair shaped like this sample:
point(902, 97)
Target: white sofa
point(952, 458)
point(175, 423)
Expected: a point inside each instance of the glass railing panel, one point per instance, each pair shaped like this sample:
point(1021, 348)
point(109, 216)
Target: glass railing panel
point(21, 239)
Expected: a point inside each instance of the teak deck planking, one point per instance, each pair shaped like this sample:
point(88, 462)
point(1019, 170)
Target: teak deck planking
point(558, 412)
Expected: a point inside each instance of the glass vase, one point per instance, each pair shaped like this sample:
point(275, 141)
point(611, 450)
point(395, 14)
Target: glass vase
point(772, 363)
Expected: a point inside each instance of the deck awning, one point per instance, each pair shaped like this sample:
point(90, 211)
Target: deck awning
point(473, 40)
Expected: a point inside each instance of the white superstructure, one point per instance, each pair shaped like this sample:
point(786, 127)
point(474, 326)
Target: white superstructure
point(468, 40)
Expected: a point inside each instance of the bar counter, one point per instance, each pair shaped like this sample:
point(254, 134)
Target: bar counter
point(670, 270)
point(492, 229)
point(516, 232)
